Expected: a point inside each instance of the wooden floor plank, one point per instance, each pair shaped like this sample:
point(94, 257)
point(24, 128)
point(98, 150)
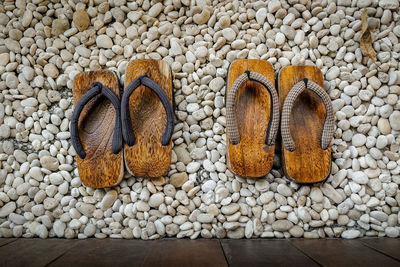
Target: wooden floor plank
point(338, 252)
point(264, 252)
point(202, 252)
point(184, 252)
point(388, 246)
point(105, 252)
point(33, 252)
point(5, 241)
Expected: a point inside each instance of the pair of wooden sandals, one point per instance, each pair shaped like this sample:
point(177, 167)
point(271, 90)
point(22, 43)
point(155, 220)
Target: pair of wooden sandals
point(253, 108)
point(110, 129)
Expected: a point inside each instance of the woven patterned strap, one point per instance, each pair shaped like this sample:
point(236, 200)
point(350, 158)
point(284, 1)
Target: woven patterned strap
point(97, 89)
point(231, 120)
point(329, 127)
point(127, 129)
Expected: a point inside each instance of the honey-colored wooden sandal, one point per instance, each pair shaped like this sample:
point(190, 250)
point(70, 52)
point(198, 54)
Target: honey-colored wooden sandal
point(96, 129)
point(307, 124)
point(147, 117)
point(252, 115)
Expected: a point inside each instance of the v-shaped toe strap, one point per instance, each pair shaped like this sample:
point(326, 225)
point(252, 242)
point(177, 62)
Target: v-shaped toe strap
point(97, 89)
point(127, 129)
point(231, 121)
point(329, 126)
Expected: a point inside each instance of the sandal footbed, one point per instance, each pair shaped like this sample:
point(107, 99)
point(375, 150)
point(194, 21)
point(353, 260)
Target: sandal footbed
point(100, 168)
point(148, 157)
point(309, 163)
point(251, 157)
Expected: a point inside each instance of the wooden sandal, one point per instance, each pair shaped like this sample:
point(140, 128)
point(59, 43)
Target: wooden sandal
point(147, 117)
point(307, 124)
point(252, 115)
point(96, 129)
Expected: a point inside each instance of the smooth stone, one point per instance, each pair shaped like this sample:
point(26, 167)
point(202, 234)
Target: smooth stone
point(392, 232)
point(41, 231)
point(7, 209)
point(284, 190)
point(208, 186)
point(331, 193)
point(81, 20)
point(193, 167)
point(379, 215)
point(389, 4)
point(384, 126)
point(56, 178)
point(358, 140)
point(49, 163)
point(50, 70)
point(85, 208)
point(59, 26)
point(205, 218)
point(248, 230)
point(104, 41)
point(236, 234)
point(332, 73)
point(4, 59)
point(155, 10)
point(273, 6)
point(261, 15)
point(299, 37)
point(143, 206)
point(156, 200)
point(316, 194)
point(27, 18)
point(359, 177)
point(296, 231)
point(303, 214)
point(363, 3)
point(178, 179)
point(229, 34)
point(394, 120)
point(280, 38)
point(202, 18)
point(351, 234)
point(351, 90)
point(217, 84)
point(59, 228)
point(230, 209)
point(238, 44)
point(108, 200)
point(208, 165)
point(282, 225)
point(90, 230)
point(175, 48)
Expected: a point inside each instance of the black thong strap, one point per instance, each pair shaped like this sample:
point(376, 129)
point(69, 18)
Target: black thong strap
point(127, 129)
point(97, 89)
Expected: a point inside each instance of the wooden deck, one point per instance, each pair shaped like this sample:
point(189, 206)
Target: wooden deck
point(214, 252)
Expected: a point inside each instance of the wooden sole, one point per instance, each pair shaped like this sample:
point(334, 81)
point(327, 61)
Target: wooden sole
point(251, 157)
point(100, 168)
point(309, 163)
point(148, 157)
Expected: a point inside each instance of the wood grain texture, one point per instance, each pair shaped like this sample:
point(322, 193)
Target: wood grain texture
point(251, 157)
point(100, 168)
point(309, 163)
point(34, 252)
point(183, 252)
point(105, 252)
point(387, 246)
point(5, 241)
point(264, 253)
point(339, 252)
point(148, 157)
